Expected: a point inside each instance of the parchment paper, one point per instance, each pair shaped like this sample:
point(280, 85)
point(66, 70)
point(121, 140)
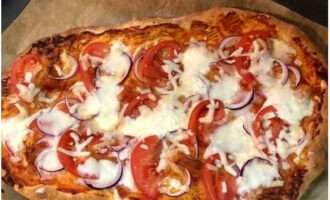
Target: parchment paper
point(44, 18)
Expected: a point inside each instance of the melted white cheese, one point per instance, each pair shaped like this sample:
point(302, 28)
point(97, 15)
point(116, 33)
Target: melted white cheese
point(127, 177)
point(162, 119)
point(257, 174)
point(196, 62)
point(55, 121)
point(106, 171)
point(117, 62)
point(291, 105)
point(225, 89)
point(15, 129)
point(231, 138)
point(27, 93)
point(107, 93)
point(282, 50)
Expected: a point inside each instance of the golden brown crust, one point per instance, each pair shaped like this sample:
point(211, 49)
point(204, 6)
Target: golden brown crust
point(317, 160)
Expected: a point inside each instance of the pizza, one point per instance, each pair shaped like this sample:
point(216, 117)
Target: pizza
point(223, 105)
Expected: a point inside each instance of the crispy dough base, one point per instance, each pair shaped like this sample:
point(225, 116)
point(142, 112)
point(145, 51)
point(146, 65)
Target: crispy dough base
point(286, 31)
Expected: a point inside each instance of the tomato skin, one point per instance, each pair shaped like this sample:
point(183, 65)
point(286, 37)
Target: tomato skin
point(26, 63)
point(66, 142)
point(97, 49)
point(149, 67)
point(132, 108)
point(258, 119)
point(242, 63)
point(143, 166)
point(212, 181)
point(202, 130)
point(276, 124)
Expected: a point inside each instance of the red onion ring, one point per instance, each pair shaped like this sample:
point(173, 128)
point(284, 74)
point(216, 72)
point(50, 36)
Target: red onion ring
point(52, 156)
point(122, 146)
point(43, 127)
point(9, 148)
point(246, 130)
point(297, 74)
point(136, 69)
point(187, 101)
point(247, 100)
point(249, 162)
point(175, 132)
point(69, 101)
point(186, 185)
point(74, 69)
point(103, 183)
point(285, 73)
point(224, 43)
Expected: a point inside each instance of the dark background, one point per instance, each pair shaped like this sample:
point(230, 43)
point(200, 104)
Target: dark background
point(316, 10)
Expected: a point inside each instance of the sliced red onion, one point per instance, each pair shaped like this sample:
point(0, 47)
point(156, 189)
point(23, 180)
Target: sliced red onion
point(246, 129)
point(250, 161)
point(187, 101)
point(121, 146)
point(9, 148)
point(69, 102)
point(120, 77)
point(107, 178)
point(47, 139)
point(246, 101)
point(74, 68)
point(176, 132)
point(47, 160)
point(183, 188)
point(297, 74)
point(136, 69)
point(229, 41)
point(46, 124)
point(285, 73)
point(123, 142)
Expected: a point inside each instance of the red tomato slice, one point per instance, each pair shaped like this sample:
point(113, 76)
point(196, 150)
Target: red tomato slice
point(202, 130)
point(276, 124)
point(142, 99)
point(26, 63)
point(212, 181)
point(70, 163)
point(150, 65)
point(242, 63)
point(143, 165)
point(258, 102)
point(97, 49)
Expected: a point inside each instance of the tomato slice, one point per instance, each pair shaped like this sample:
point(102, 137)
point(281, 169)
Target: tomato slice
point(97, 49)
point(203, 130)
point(258, 102)
point(242, 63)
point(213, 181)
point(26, 63)
point(147, 99)
point(144, 160)
point(70, 163)
point(150, 66)
point(276, 124)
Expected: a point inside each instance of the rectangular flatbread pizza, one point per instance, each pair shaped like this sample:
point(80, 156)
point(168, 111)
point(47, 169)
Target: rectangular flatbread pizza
point(225, 104)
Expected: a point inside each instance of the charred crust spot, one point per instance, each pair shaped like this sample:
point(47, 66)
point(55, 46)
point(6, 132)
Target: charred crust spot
point(289, 191)
point(39, 44)
point(5, 85)
point(7, 178)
